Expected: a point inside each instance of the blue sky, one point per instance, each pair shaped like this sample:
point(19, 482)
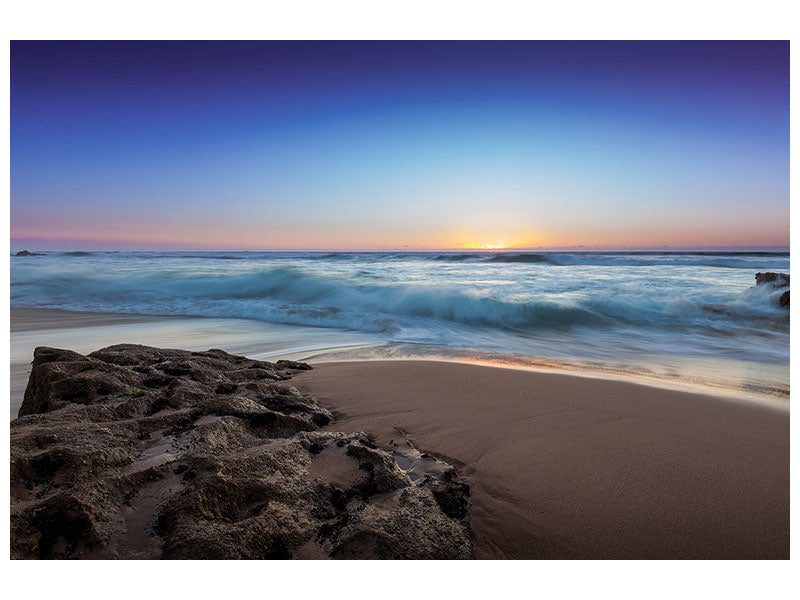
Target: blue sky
point(362, 145)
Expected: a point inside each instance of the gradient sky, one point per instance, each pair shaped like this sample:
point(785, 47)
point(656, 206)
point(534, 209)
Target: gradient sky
point(368, 145)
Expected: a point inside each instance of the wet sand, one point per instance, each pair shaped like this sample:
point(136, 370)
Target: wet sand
point(572, 467)
point(36, 319)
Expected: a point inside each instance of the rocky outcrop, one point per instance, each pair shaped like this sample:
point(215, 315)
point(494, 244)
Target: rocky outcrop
point(26, 253)
point(776, 280)
point(138, 452)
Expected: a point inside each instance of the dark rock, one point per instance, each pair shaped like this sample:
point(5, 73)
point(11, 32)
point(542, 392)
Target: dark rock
point(776, 279)
point(226, 388)
point(26, 253)
point(452, 499)
point(291, 364)
point(138, 452)
point(366, 530)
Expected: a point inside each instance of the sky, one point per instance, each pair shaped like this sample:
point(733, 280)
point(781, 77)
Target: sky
point(398, 145)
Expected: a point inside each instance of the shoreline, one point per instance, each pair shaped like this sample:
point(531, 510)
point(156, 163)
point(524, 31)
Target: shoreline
point(569, 467)
point(42, 319)
point(364, 347)
point(776, 397)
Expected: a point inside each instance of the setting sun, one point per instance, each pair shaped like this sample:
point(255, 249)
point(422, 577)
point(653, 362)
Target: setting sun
point(485, 245)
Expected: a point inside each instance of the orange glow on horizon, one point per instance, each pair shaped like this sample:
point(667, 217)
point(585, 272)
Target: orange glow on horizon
point(494, 244)
point(193, 233)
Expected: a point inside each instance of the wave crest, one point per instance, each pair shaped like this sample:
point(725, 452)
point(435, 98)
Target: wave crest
point(365, 300)
point(521, 258)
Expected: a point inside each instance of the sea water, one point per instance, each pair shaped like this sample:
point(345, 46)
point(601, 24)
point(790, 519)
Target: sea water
point(680, 315)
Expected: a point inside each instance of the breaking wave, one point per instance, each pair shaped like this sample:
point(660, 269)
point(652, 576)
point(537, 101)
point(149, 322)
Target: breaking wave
point(291, 295)
point(287, 295)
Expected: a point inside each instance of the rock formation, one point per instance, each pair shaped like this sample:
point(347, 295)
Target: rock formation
point(27, 253)
point(776, 280)
point(138, 452)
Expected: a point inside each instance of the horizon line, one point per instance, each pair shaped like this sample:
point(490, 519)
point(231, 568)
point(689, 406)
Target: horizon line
point(412, 250)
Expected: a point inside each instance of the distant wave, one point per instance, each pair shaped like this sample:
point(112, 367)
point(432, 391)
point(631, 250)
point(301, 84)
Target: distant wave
point(332, 256)
point(700, 253)
point(459, 257)
point(497, 258)
point(521, 258)
point(713, 260)
point(718, 260)
point(192, 256)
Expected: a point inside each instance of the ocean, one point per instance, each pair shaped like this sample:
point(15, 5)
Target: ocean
point(680, 316)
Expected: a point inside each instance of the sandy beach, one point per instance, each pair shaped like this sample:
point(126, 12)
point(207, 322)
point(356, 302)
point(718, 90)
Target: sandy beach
point(571, 467)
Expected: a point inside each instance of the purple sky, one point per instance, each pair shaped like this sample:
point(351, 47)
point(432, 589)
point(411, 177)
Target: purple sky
point(361, 145)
